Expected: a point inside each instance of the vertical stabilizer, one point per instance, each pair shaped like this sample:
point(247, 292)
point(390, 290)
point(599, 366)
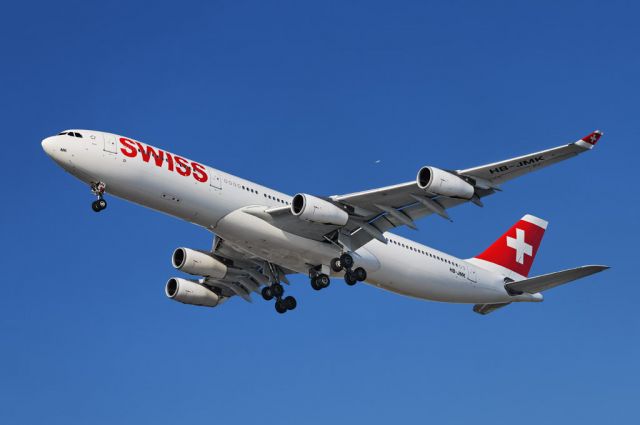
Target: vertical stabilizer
point(517, 248)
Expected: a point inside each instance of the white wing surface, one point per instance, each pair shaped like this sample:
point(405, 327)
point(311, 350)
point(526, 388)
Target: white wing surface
point(372, 212)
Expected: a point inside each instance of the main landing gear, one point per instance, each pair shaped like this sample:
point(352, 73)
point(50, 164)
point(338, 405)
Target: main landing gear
point(275, 290)
point(98, 190)
point(351, 275)
point(319, 280)
point(345, 262)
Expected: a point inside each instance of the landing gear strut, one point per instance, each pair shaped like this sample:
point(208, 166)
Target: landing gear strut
point(98, 190)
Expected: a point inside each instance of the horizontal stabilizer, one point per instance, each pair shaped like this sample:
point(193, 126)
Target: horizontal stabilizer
point(551, 280)
point(488, 308)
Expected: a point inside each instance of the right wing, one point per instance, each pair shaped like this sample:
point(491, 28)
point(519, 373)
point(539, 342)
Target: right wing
point(247, 273)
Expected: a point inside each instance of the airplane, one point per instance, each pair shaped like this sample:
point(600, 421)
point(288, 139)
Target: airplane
point(261, 236)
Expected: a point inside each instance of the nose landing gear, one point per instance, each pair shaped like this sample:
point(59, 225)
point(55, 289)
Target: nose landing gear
point(99, 205)
point(98, 190)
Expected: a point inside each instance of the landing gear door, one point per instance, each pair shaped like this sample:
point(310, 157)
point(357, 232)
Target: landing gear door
point(109, 143)
point(214, 179)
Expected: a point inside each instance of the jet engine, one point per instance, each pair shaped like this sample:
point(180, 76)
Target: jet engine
point(443, 183)
point(190, 292)
point(198, 263)
point(317, 210)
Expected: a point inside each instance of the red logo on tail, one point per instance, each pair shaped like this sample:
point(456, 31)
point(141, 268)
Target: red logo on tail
point(517, 248)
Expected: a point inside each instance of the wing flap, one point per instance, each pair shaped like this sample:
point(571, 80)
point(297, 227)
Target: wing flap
point(247, 272)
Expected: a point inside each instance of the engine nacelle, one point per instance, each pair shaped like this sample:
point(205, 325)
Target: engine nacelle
point(443, 183)
point(198, 263)
point(317, 210)
point(189, 292)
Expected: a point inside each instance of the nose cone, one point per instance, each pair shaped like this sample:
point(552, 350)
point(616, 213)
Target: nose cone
point(48, 146)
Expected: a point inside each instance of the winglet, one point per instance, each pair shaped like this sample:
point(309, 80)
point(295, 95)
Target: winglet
point(589, 141)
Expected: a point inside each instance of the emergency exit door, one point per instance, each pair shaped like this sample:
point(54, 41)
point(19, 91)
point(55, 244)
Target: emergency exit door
point(214, 179)
point(109, 143)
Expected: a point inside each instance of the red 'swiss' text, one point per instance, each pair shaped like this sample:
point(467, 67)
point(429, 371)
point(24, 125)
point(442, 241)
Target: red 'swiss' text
point(159, 157)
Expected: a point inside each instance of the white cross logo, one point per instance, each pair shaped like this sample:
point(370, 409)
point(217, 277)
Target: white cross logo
point(520, 245)
point(594, 138)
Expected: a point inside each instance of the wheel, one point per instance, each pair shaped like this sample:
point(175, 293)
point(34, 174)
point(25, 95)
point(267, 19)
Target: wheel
point(102, 204)
point(322, 281)
point(290, 303)
point(360, 274)
point(95, 206)
point(280, 307)
point(314, 284)
point(336, 266)
point(346, 261)
point(277, 290)
point(350, 279)
point(267, 294)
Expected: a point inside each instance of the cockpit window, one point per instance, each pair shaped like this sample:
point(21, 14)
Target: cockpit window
point(70, 134)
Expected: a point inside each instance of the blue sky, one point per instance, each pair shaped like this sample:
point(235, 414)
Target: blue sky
point(307, 96)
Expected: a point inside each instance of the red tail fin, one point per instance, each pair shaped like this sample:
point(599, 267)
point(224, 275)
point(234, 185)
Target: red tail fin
point(517, 248)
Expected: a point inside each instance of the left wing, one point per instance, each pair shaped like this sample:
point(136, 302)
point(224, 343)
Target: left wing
point(372, 212)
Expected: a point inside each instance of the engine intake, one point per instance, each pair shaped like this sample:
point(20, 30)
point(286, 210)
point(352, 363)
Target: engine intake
point(316, 210)
point(190, 292)
point(443, 183)
point(198, 263)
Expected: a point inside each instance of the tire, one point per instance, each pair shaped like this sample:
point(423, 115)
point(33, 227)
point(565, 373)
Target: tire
point(323, 281)
point(314, 284)
point(350, 279)
point(360, 274)
point(267, 295)
point(277, 290)
point(346, 261)
point(95, 206)
point(336, 266)
point(102, 204)
point(280, 307)
point(290, 303)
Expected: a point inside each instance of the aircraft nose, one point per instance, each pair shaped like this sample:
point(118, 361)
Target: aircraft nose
point(47, 145)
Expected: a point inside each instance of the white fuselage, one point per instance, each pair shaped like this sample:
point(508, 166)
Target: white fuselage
point(401, 265)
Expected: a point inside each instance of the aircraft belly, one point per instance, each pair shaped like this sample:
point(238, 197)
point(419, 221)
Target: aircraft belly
point(414, 276)
point(273, 244)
